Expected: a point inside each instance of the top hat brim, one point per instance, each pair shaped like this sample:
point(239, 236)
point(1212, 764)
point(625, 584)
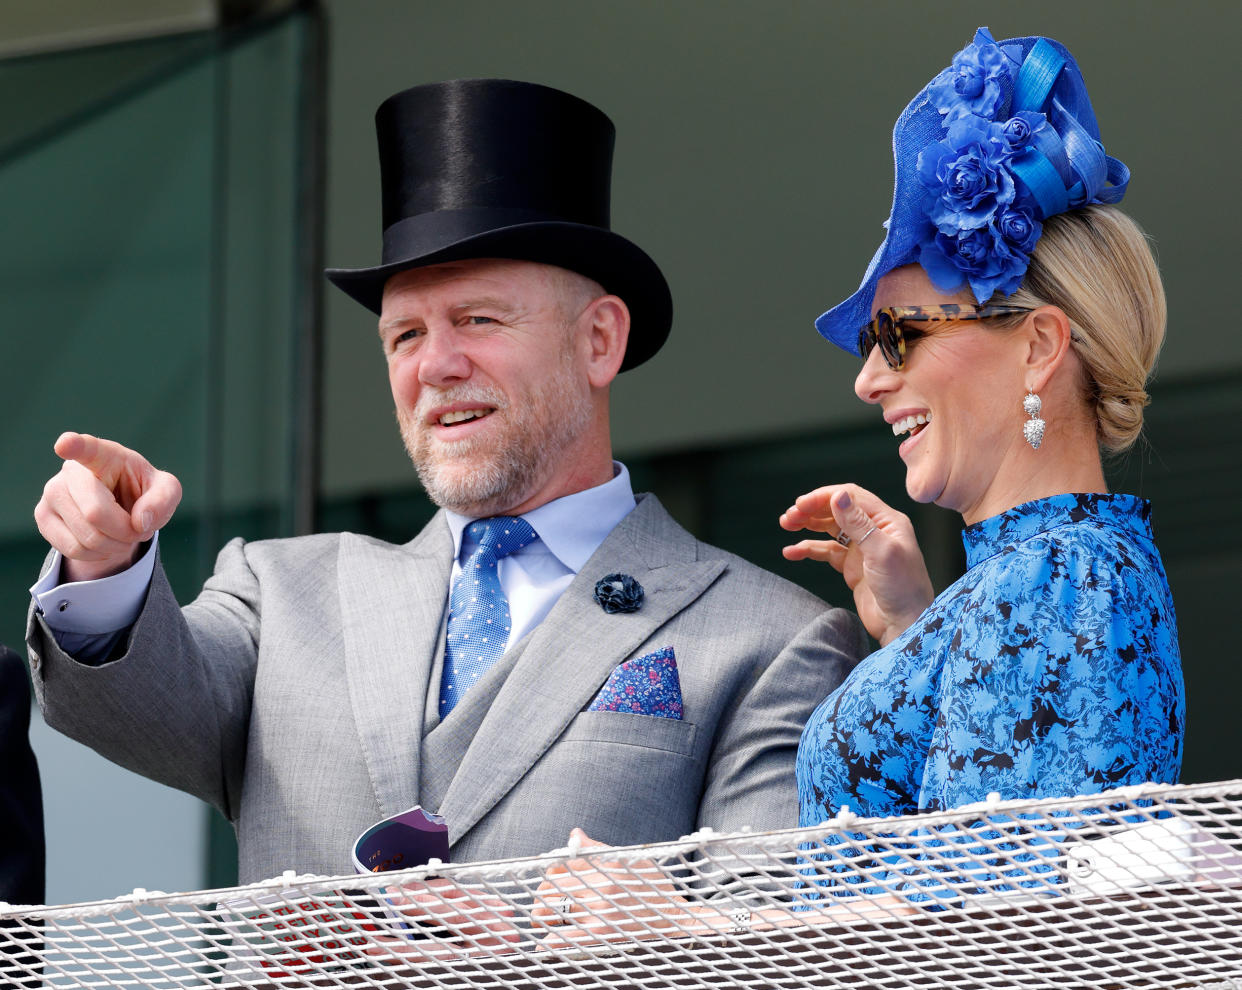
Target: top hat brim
point(617, 264)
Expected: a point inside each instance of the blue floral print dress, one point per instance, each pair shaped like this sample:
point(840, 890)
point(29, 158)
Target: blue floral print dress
point(1050, 668)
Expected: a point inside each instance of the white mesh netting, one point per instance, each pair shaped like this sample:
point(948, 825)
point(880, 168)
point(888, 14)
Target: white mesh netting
point(1138, 887)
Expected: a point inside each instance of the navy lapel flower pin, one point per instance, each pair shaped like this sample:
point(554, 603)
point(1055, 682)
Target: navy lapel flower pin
point(619, 593)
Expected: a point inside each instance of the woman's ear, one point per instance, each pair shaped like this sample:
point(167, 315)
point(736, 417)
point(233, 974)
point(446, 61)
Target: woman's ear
point(1048, 338)
point(608, 334)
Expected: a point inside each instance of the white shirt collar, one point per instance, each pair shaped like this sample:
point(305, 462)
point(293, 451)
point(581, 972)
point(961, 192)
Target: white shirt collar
point(573, 526)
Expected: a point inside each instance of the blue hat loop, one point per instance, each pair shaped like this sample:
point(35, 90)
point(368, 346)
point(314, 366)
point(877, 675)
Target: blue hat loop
point(1041, 179)
point(994, 145)
point(1039, 71)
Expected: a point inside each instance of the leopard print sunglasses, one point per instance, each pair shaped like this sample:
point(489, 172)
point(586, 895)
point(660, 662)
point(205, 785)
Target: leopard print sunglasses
point(889, 331)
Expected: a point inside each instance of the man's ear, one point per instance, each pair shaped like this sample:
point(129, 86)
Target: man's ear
point(1047, 331)
point(608, 332)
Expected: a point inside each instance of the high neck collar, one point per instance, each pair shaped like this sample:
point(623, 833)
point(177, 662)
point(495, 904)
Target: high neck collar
point(995, 534)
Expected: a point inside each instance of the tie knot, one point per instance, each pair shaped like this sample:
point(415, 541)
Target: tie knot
point(500, 536)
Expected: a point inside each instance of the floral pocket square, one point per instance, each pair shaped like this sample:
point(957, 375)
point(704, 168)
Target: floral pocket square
point(643, 686)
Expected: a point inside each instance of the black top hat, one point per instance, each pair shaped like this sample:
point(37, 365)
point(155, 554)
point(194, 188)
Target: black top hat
point(492, 168)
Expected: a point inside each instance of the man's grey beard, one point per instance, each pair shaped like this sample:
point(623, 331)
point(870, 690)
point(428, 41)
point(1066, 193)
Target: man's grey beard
point(491, 475)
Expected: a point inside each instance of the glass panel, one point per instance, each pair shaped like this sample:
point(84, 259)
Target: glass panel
point(149, 290)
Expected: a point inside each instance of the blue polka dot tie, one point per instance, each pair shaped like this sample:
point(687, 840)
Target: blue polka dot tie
point(478, 622)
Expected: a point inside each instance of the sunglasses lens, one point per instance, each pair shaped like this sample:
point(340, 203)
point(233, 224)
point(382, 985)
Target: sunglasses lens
point(866, 341)
point(889, 337)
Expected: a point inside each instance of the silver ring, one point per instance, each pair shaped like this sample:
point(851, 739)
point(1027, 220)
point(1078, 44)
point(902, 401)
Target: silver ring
point(865, 535)
point(565, 907)
point(843, 538)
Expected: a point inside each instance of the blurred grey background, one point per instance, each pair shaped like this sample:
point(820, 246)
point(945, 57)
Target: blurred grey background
point(173, 174)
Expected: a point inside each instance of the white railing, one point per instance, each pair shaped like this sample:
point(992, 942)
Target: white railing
point(1138, 887)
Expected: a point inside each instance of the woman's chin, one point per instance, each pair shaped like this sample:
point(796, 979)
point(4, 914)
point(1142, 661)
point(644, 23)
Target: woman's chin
point(922, 489)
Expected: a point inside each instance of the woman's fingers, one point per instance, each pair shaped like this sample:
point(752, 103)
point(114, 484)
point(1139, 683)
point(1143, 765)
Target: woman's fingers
point(811, 511)
point(847, 513)
point(826, 551)
point(820, 510)
point(873, 547)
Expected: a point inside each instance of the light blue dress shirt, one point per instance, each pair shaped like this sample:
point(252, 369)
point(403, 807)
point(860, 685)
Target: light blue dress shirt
point(570, 529)
point(87, 617)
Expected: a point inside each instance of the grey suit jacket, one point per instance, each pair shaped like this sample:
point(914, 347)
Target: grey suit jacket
point(297, 694)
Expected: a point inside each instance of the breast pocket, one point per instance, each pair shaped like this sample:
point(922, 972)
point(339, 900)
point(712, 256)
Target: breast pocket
point(623, 778)
point(670, 735)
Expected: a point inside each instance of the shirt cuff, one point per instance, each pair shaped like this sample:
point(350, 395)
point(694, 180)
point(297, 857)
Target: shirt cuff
point(94, 608)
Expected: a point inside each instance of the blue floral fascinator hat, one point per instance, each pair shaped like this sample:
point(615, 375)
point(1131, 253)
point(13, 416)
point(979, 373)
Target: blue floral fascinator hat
point(998, 142)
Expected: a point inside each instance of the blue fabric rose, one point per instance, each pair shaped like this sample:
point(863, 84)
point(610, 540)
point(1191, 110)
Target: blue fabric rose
point(1019, 228)
point(978, 82)
point(964, 176)
point(1022, 129)
point(618, 593)
point(982, 258)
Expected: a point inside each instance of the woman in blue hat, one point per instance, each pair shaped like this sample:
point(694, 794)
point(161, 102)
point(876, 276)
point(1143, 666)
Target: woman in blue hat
point(1007, 327)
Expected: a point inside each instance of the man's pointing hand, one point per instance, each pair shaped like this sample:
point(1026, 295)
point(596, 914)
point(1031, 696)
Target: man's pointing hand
point(103, 504)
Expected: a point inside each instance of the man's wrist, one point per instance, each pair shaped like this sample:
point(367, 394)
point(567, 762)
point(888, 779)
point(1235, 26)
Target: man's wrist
point(75, 571)
point(94, 608)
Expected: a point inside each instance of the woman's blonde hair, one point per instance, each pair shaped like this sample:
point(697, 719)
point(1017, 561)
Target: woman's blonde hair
point(1096, 265)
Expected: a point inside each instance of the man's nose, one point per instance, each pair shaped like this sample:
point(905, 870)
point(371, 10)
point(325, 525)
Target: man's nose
point(442, 359)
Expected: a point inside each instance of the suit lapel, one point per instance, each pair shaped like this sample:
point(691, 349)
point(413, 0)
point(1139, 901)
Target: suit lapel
point(446, 744)
point(392, 607)
point(569, 656)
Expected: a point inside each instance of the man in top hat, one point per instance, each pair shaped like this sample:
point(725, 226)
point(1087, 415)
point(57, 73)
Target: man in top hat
point(550, 651)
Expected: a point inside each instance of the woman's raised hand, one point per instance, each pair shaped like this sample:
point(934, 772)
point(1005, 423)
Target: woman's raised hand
point(872, 546)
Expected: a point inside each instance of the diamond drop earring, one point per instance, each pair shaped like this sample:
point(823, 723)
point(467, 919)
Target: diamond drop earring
point(1033, 428)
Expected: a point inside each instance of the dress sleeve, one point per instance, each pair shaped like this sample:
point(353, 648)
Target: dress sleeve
point(1063, 678)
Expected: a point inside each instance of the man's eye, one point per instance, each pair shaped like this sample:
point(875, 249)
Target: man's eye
point(405, 336)
point(479, 320)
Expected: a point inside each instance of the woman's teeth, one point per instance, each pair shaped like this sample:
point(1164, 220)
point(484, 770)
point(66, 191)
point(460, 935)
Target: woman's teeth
point(910, 423)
